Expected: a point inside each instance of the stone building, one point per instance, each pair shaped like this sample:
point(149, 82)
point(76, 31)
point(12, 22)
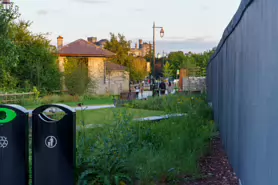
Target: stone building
point(109, 78)
point(141, 49)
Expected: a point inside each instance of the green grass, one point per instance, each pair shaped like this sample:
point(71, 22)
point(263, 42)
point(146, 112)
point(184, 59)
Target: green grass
point(104, 116)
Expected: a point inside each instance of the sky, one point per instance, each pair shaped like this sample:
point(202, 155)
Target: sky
point(189, 25)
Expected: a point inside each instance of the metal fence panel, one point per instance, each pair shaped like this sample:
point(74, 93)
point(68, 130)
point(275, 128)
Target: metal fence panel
point(242, 84)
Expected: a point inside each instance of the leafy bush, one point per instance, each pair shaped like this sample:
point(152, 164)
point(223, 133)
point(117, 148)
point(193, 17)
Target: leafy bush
point(76, 75)
point(147, 152)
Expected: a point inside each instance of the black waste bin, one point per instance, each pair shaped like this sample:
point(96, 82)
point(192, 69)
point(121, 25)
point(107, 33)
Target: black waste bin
point(54, 145)
point(13, 145)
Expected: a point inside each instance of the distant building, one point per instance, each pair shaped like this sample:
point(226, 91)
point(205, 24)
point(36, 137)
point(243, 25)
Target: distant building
point(141, 49)
point(101, 43)
point(109, 77)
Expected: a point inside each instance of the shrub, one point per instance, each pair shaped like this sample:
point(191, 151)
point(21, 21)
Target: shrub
point(76, 75)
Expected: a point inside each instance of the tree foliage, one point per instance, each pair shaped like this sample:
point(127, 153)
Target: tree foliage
point(121, 47)
point(26, 59)
point(167, 70)
point(196, 63)
point(76, 75)
point(137, 67)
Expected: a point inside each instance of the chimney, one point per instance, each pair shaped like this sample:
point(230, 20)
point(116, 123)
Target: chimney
point(92, 39)
point(136, 46)
point(60, 41)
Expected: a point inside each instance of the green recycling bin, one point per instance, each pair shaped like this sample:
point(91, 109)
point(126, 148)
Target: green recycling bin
point(13, 145)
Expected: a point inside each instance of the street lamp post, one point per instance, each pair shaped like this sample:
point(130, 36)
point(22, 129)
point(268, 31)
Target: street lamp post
point(153, 63)
point(161, 35)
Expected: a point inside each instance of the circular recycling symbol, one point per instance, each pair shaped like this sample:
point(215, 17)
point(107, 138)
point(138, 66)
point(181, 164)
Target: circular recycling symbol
point(3, 142)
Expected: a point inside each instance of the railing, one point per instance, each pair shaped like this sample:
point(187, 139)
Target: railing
point(15, 97)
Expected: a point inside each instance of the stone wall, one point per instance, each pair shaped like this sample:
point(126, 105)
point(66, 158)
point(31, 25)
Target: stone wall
point(96, 72)
point(194, 84)
point(117, 82)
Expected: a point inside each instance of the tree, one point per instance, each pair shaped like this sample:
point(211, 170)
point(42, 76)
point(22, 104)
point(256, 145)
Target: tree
point(8, 50)
point(202, 61)
point(26, 59)
point(76, 75)
point(137, 67)
point(121, 47)
point(37, 65)
point(167, 70)
point(176, 59)
point(195, 63)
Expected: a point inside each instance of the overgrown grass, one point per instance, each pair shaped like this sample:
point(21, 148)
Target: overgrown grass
point(129, 151)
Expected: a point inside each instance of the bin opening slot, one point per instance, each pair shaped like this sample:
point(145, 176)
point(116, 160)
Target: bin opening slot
point(52, 114)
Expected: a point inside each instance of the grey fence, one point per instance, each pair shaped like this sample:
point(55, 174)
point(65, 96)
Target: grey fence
point(242, 84)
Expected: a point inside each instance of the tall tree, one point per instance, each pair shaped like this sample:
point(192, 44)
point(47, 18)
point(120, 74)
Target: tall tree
point(137, 67)
point(167, 70)
point(26, 58)
point(121, 47)
point(8, 50)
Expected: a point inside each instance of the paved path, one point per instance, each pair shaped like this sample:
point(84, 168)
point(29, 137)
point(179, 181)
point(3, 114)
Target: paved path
point(147, 94)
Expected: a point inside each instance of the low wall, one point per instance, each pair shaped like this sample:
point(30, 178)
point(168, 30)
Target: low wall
point(194, 84)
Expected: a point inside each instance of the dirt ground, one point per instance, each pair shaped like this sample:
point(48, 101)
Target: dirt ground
point(215, 168)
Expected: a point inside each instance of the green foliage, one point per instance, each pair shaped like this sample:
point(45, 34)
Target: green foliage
point(195, 63)
point(167, 70)
point(76, 75)
point(37, 93)
point(25, 58)
point(136, 67)
point(202, 60)
point(126, 152)
point(120, 46)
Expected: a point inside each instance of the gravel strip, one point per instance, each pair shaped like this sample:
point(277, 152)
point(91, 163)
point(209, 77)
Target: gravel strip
point(216, 168)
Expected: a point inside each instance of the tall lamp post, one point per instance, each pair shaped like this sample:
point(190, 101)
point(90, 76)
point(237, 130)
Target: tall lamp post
point(161, 35)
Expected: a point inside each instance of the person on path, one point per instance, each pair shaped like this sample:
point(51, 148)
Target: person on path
point(162, 87)
point(142, 89)
point(137, 90)
point(169, 87)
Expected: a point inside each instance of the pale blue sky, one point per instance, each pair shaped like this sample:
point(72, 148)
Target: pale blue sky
point(190, 25)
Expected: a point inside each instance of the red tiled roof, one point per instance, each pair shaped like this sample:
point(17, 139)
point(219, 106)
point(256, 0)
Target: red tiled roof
point(114, 67)
point(84, 48)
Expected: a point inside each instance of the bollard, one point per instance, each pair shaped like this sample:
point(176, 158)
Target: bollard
point(14, 160)
point(54, 147)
